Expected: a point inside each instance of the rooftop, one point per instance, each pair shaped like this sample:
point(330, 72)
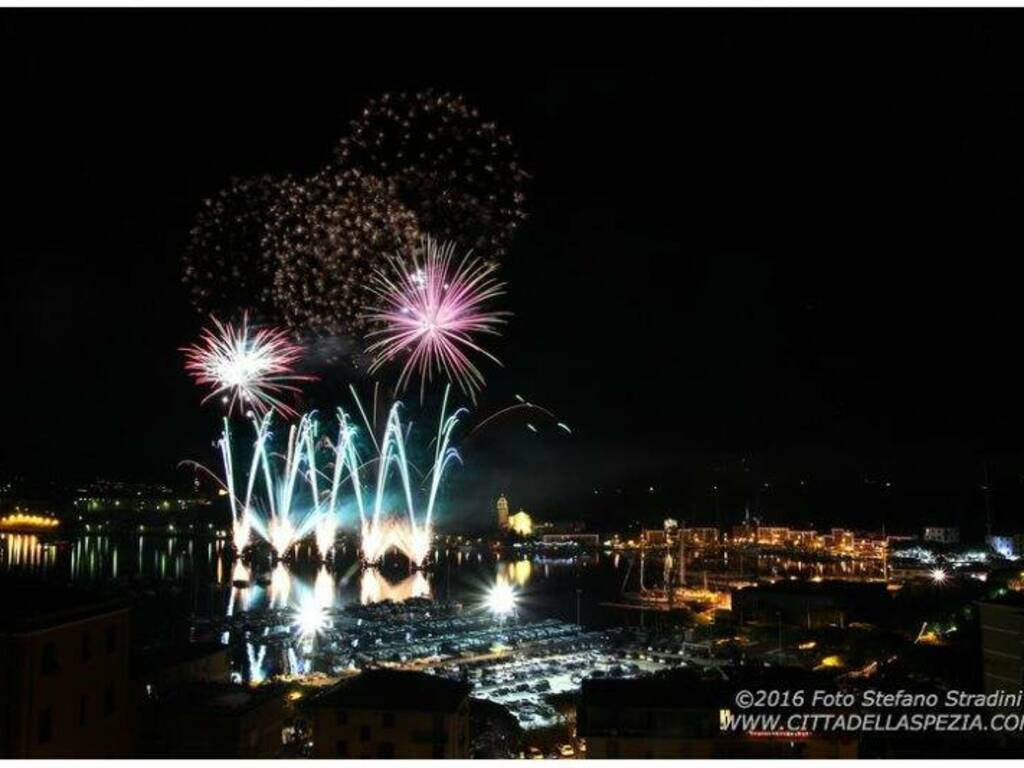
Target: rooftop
point(159, 659)
point(678, 689)
point(220, 698)
point(690, 689)
point(31, 605)
point(388, 689)
point(1009, 599)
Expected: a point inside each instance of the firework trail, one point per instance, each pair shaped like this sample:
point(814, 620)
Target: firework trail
point(249, 369)
point(428, 311)
point(459, 173)
point(521, 405)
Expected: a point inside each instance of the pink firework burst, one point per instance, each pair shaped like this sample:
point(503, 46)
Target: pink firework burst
point(429, 311)
point(248, 368)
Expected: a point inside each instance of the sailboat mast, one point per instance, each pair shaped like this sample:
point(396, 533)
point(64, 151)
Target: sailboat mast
point(682, 555)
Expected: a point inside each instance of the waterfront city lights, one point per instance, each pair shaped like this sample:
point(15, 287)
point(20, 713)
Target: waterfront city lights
point(501, 600)
point(938, 576)
point(22, 520)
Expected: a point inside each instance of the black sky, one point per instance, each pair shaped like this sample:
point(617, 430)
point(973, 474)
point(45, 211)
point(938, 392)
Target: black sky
point(763, 246)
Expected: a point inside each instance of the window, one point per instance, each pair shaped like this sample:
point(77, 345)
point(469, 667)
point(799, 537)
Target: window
point(111, 638)
point(86, 647)
point(364, 733)
point(45, 725)
point(438, 751)
point(341, 748)
point(613, 748)
point(388, 719)
point(49, 664)
point(340, 717)
point(108, 700)
point(83, 710)
point(386, 750)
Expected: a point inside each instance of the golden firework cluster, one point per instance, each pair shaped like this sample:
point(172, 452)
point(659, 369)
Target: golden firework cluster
point(301, 251)
point(459, 173)
point(329, 233)
point(226, 268)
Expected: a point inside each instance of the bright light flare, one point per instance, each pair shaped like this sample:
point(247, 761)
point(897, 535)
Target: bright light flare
point(310, 618)
point(282, 535)
point(280, 586)
point(248, 368)
point(323, 588)
point(939, 576)
point(325, 532)
point(431, 311)
point(241, 530)
point(502, 599)
point(240, 574)
point(412, 541)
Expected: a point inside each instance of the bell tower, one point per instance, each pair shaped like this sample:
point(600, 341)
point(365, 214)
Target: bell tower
point(502, 512)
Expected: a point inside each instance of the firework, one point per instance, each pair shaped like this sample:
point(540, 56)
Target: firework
point(521, 405)
point(292, 503)
point(413, 534)
point(310, 618)
point(459, 173)
point(225, 264)
point(325, 532)
point(327, 235)
point(241, 530)
point(374, 587)
point(280, 586)
point(429, 311)
point(247, 368)
point(300, 252)
point(323, 587)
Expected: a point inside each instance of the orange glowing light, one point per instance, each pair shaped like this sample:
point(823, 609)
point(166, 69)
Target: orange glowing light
point(23, 521)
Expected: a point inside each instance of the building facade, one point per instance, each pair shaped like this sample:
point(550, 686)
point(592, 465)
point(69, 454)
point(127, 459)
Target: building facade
point(383, 713)
point(941, 535)
point(1002, 643)
point(64, 660)
point(677, 716)
point(214, 720)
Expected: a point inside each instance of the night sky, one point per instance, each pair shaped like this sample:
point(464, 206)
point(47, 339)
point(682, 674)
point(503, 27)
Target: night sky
point(774, 247)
